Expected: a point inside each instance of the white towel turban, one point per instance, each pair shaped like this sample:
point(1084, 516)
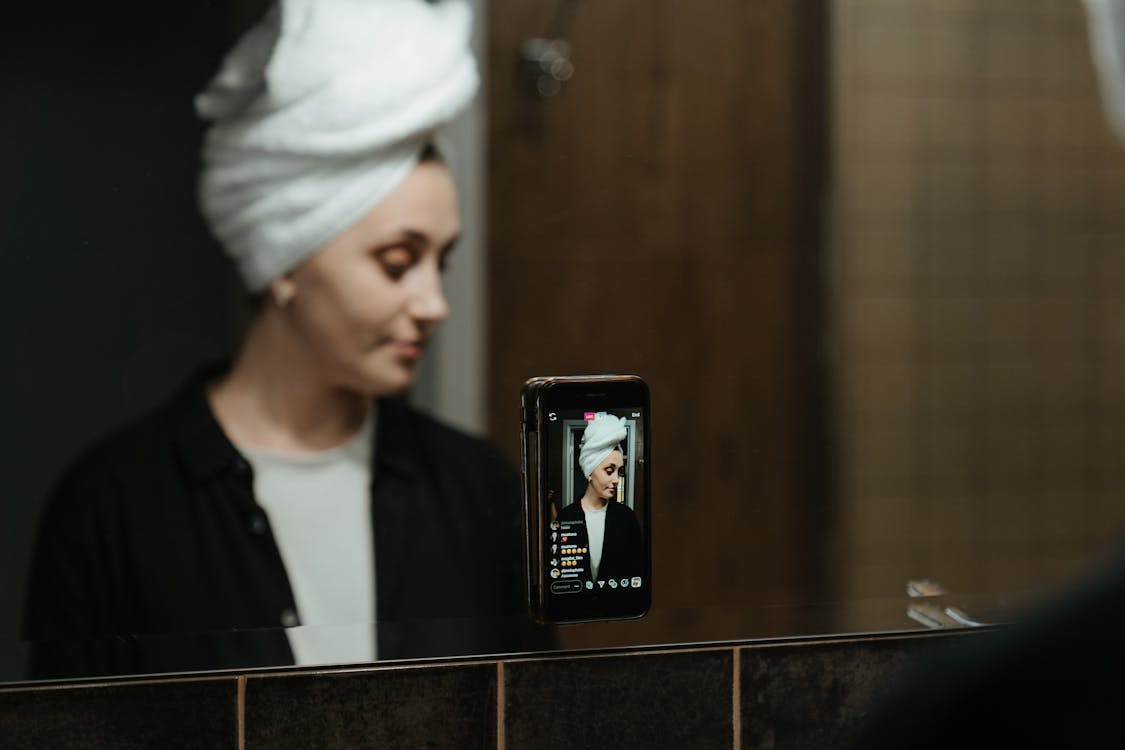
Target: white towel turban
point(602, 436)
point(1107, 37)
point(318, 113)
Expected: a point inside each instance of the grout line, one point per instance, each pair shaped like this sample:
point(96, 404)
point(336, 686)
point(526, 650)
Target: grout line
point(242, 712)
point(736, 698)
point(501, 738)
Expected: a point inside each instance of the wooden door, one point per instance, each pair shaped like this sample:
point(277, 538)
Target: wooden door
point(660, 216)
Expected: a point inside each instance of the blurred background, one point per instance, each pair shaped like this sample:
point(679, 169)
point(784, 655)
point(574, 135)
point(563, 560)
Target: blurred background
point(869, 255)
point(977, 262)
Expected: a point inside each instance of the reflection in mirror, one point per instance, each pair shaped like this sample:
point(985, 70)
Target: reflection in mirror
point(924, 386)
point(977, 269)
point(293, 485)
point(865, 257)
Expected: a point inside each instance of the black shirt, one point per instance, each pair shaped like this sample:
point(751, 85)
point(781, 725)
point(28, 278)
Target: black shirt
point(622, 546)
point(155, 530)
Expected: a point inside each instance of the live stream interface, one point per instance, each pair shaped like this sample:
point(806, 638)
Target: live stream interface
point(596, 495)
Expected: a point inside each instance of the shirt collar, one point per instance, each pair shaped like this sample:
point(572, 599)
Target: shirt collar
point(202, 447)
point(395, 438)
point(204, 450)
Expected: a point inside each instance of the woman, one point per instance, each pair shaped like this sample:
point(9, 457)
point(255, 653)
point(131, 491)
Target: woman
point(296, 487)
point(606, 529)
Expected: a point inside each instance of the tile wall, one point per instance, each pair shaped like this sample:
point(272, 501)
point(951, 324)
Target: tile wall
point(977, 266)
point(808, 694)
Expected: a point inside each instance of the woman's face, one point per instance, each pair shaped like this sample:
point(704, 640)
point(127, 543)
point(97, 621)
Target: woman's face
point(366, 302)
point(605, 477)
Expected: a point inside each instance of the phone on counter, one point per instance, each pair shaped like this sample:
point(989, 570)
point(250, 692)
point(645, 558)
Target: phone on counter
point(587, 507)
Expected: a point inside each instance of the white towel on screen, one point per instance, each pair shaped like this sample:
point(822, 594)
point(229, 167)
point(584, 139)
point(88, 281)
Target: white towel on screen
point(602, 436)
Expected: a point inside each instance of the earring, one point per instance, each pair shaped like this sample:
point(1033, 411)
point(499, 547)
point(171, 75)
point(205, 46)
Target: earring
point(282, 295)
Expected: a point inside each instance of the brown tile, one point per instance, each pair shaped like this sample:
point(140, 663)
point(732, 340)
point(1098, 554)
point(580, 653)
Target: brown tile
point(1111, 190)
point(1073, 124)
point(950, 387)
point(1070, 192)
point(882, 459)
point(950, 126)
point(884, 534)
point(1009, 58)
point(1010, 328)
point(949, 51)
point(451, 706)
point(1014, 457)
point(879, 323)
point(812, 696)
point(1012, 384)
point(876, 258)
point(641, 701)
point(1007, 524)
point(884, 46)
point(184, 713)
point(879, 580)
point(875, 388)
point(1068, 68)
point(1012, 572)
point(1012, 123)
point(888, 122)
point(1009, 190)
point(882, 194)
point(950, 191)
point(1012, 251)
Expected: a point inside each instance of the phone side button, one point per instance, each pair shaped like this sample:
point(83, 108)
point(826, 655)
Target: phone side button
point(566, 587)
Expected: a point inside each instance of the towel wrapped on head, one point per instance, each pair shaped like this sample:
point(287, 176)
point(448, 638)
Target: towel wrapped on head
point(318, 114)
point(602, 436)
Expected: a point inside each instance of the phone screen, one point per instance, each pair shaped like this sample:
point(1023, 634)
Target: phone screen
point(594, 507)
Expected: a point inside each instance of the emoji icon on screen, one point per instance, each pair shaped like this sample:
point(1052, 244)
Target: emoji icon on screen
point(589, 584)
point(624, 583)
point(613, 583)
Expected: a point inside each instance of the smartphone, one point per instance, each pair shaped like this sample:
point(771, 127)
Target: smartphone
point(587, 506)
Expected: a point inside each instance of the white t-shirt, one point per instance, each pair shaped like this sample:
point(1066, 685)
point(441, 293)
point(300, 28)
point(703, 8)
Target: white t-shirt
point(319, 509)
point(595, 531)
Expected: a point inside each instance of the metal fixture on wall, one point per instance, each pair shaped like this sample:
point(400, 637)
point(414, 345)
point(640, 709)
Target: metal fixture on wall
point(544, 62)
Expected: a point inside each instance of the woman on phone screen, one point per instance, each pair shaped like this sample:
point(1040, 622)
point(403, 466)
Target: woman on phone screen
point(607, 530)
